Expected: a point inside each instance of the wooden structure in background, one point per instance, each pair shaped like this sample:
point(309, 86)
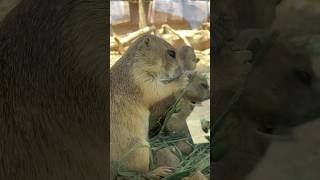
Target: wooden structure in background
point(138, 10)
point(142, 13)
point(148, 15)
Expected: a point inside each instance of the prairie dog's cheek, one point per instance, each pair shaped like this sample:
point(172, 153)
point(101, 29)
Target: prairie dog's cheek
point(171, 68)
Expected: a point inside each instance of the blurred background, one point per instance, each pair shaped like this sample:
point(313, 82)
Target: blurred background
point(6, 6)
point(180, 22)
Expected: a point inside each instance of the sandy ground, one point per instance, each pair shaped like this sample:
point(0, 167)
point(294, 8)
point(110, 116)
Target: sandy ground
point(194, 122)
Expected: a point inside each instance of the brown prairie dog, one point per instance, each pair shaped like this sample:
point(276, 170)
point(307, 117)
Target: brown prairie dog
point(188, 60)
point(196, 92)
point(164, 157)
point(187, 57)
point(147, 73)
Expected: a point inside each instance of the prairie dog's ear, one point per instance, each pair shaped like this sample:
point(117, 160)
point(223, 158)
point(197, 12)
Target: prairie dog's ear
point(147, 42)
point(186, 51)
point(144, 42)
point(251, 39)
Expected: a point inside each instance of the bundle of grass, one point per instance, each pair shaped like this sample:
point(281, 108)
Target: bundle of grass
point(185, 166)
point(197, 161)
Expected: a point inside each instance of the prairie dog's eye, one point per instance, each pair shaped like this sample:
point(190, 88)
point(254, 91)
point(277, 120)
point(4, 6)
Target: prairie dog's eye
point(172, 53)
point(304, 77)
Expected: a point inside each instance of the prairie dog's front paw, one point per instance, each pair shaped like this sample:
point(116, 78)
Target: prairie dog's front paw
point(160, 172)
point(184, 80)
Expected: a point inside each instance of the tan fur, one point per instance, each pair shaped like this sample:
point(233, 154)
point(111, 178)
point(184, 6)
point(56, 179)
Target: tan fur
point(135, 86)
point(197, 175)
point(196, 92)
point(188, 60)
point(165, 157)
point(184, 146)
point(188, 57)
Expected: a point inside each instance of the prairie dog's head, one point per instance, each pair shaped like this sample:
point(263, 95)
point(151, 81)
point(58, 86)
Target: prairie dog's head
point(283, 90)
point(157, 59)
point(187, 57)
point(198, 90)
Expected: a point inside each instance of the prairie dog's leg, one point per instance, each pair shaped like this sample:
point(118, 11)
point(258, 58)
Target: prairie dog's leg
point(139, 160)
point(159, 172)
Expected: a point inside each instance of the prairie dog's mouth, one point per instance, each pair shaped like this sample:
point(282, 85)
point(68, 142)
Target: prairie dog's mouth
point(274, 133)
point(169, 79)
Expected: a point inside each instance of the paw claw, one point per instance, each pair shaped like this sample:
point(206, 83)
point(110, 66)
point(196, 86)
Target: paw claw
point(160, 172)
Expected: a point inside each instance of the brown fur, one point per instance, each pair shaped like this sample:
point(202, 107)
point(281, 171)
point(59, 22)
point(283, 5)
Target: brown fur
point(188, 61)
point(165, 157)
point(135, 86)
point(197, 91)
point(188, 57)
point(230, 70)
point(177, 123)
point(282, 91)
point(233, 16)
point(54, 91)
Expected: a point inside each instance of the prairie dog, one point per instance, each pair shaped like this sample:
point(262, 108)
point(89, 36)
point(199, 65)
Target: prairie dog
point(53, 90)
point(188, 60)
point(165, 157)
point(147, 73)
point(196, 92)
point(187, 57)
point(266, 111)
